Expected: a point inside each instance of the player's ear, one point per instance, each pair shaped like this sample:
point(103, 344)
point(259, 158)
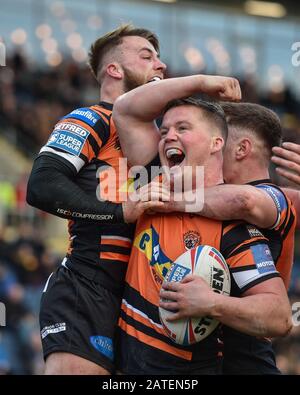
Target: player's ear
point(217, 144)
point(114, 70)
point(243, 148)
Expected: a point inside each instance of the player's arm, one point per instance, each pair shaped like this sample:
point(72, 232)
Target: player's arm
point(258, 304)
point(263, 310)
point(135, 111)
point(75, 141)
point(52, 188)
point(232, 202)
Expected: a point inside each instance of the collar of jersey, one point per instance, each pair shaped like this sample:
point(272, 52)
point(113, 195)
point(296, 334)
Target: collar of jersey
point(106, 105)
point(256, 182)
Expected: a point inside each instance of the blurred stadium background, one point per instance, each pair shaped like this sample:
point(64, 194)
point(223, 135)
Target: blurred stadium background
point(46, 76)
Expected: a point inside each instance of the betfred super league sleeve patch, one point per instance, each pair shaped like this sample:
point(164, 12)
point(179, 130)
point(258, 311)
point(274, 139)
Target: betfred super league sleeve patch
point(68, 137)
point(84, 114)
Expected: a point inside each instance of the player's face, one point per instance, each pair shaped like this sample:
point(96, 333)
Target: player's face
point(140, 62)
point(186, 140)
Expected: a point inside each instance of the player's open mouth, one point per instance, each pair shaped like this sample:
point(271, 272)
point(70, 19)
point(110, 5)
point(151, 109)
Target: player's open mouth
point(175, 156)
point(155, 78)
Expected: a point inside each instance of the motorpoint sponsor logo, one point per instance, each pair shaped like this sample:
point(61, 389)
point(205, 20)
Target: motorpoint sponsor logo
point(265, 264)
point(72, 128)
point(97, 217)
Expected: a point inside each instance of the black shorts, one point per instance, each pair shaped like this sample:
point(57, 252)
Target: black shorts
point(136, 358)
point(80, 317)
point(247, 355)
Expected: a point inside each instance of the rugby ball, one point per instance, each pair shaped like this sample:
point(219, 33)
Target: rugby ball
point(208, 263)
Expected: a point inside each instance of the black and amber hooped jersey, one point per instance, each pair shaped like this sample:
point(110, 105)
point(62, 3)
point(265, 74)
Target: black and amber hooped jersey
point(159, 240)
point(87, 139)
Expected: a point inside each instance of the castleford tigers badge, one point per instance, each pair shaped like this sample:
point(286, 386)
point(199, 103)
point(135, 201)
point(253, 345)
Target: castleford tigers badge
point(191, 239)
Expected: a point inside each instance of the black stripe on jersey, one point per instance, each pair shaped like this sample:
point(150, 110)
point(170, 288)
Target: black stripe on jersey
point(245, 247)
point(288, 226)
point(84, 158)
point(105, 116)
point(94, 144)
point(103, 131)
point(122, 230)
point(242, 268)
point(234, 237)
point(134, 298)
point(287, 216)
point(116, 249)
point(258, 281)
point(151, 332)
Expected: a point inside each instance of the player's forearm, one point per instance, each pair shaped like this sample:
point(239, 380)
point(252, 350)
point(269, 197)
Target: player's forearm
point(146, 102)
point(263, 315)
point(50, 190)
point(238, 202)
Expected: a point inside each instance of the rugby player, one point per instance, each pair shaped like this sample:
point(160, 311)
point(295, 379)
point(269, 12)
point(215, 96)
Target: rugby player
point(81, 300)
point(247, 157)
point(258, 306)
point(253, 131)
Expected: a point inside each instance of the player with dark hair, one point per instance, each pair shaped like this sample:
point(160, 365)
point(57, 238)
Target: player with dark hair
point(254, 131)
point(81, 300)
point(191, 135)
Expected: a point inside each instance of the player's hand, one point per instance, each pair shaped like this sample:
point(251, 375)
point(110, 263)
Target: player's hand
point(192, 297)
point(148, 197)
point(287, 158)
point(220, 88)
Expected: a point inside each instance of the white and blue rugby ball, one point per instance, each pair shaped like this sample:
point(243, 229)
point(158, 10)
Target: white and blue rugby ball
point(208, 263)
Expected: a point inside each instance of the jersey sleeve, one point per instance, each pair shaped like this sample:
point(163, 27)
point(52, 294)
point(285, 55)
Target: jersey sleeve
point(78, 136)
point(248, 256)
point(280, 202)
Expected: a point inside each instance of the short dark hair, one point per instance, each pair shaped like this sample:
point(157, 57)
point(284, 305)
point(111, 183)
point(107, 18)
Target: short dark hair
point(114, 38)
point(256, 119)
point(212, 111)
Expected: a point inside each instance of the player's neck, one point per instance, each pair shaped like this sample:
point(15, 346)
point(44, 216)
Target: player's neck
point(252, 173)
point(110, 92)
point(213, 175)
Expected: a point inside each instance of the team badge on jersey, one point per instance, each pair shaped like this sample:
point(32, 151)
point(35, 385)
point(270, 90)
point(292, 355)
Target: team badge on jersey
point(68, 137)
point(191, 239)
